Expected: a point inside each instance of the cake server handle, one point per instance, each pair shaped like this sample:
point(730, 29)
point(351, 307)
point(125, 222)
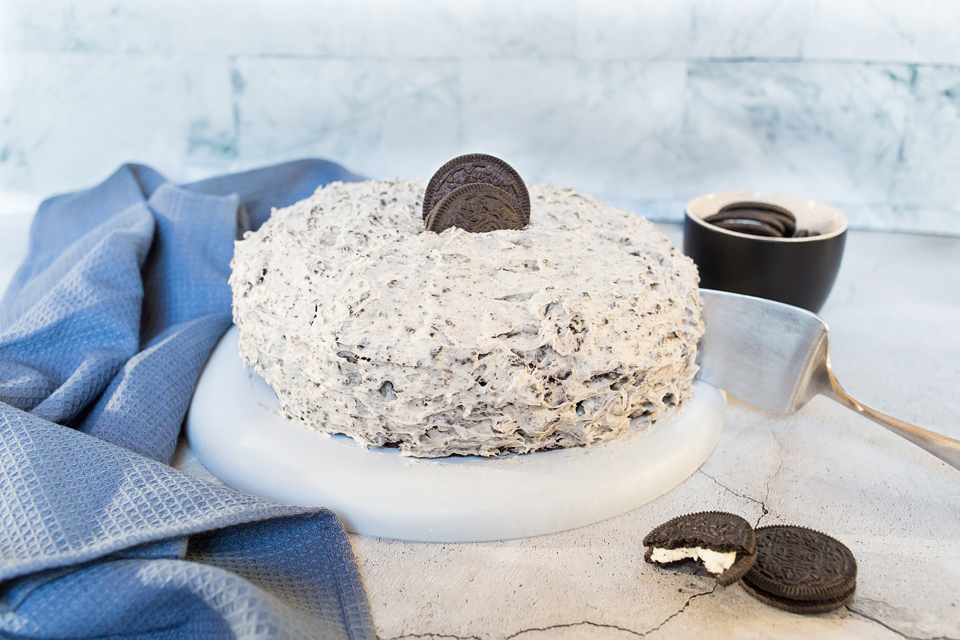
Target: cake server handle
point(947, 449)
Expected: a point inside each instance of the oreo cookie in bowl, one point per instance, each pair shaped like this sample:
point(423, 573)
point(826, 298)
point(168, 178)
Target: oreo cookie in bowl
point(764, 244)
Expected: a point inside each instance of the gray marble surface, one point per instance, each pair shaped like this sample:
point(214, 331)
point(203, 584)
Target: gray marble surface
point(894, 315)
point(645, 103)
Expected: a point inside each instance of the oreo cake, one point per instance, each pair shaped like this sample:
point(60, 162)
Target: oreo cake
point(569, 332)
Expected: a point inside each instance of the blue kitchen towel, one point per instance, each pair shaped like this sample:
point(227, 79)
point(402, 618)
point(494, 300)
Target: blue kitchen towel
point(104, 331)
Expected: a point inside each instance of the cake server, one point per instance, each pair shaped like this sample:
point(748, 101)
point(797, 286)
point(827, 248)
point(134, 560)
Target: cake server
point(777, 357)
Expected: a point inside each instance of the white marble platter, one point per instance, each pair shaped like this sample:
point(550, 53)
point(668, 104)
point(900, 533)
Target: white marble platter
point(234, 429)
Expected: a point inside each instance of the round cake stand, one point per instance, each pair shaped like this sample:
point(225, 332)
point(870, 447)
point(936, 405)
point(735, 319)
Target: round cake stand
point(235, 431)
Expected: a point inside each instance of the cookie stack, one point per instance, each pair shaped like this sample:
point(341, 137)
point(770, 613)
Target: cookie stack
point(801, 570)
point(477, 193)
point(758, 219)
point(792, 568)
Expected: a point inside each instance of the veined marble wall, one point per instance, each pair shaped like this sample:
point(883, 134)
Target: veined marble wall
point(645, 103)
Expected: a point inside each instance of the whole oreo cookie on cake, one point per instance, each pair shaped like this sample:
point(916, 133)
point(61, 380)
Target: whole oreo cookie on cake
point(570, 330)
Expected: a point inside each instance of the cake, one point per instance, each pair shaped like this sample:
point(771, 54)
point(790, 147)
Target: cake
point(570, 332)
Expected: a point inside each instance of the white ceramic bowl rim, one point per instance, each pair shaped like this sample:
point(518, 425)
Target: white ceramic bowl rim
point(814, 216)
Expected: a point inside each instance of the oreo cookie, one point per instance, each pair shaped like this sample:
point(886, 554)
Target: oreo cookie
point(478, 208)
point(797, 606)
point(758, 219)
point(722, 543)
point(476, 168)
point(801, 570)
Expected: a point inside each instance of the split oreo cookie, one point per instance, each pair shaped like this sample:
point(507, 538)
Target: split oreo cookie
point(722, 543)
point(801, 570)
point(472, 169)
point(477, 208)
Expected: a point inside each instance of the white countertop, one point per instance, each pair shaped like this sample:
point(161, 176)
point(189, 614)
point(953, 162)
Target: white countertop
point(894, 315)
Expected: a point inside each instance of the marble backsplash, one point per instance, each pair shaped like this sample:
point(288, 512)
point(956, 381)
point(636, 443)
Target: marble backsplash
point(645, 104)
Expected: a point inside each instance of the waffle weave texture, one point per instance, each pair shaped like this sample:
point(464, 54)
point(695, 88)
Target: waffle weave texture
point(103, 334)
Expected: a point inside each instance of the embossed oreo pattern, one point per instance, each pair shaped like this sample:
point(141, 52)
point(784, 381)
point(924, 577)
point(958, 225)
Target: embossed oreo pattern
point(716, 530)
point(472, 169)
point(477, 208)
point(802, 564)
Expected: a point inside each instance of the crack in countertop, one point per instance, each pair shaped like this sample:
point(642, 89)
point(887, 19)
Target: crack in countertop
point(771, 477)
point(888, 627)
point(639, 634)
point(682, 609)
point(432, 636)
point(763, 506)
point(585, 623)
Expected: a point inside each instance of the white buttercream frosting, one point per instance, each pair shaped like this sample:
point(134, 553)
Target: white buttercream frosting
point(566, 333)
point(715, 562)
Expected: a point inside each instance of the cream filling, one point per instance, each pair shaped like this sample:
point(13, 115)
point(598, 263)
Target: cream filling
point(713, 561)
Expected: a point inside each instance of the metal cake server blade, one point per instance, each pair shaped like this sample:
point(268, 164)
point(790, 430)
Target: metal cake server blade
point(777, 357)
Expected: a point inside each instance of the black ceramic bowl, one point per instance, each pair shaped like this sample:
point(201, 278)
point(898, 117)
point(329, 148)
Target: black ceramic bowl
point(795, 270)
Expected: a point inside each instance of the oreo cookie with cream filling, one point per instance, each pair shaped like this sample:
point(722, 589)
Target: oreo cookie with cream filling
point(801, 570)
point(722, 543)
point(798, 606)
